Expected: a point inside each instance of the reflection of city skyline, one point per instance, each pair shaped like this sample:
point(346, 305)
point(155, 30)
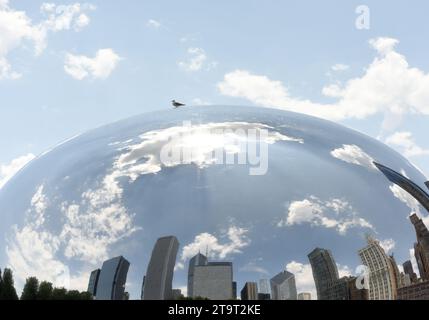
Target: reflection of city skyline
point(383, 281)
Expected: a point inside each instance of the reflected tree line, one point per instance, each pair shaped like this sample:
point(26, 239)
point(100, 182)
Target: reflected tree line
point(36, 290)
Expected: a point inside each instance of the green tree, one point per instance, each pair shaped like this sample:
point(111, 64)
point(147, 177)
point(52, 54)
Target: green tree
point(8, 291)
point(31, 288)
point(1, 283)
point(59, 294)
point(45, 291)
point(85, 295)
point(73, 295)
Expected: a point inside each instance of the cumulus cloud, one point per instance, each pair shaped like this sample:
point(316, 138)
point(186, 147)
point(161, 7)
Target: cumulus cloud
point(355, 155)
point(7, 171)
point(388, 245)
point(235, 239)
point(196, 60)
point(202, 145)
point(389, 86)
point(99, 67)
point(335, 214)
point(340, 67)
point(303, 277)
point(17, 29)
point(405, 197)
point(89, 227)
point(153, 23)
point(404, 142)
point(33, 249)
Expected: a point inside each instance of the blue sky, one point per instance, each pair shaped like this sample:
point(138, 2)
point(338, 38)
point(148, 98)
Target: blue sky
point(65, 70)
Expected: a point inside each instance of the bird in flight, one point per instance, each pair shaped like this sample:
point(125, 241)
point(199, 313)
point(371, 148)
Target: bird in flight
point(177, 104)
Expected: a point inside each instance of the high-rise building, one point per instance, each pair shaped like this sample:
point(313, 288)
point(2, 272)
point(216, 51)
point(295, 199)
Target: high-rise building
point(355, 293)
point(234, 290)
point(396, 273)
point(159, 276)
point(408, 270)
point(249, 291)
point(421, 247)
point(418, 193)
point(416, 291)
point(264, 289)
point(213, 281)
point(304, 296)
point(112, 279)
point(381, 274)
point(325, 272)
point(283, 286)
point(197, 260)
point(93, 282)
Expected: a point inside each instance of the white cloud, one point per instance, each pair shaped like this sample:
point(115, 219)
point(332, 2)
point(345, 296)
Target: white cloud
point(252, 266)
point(236, 240)
point(197, 59)
point(198, 144)
point(353, 154)
point(388, 245)
point(335, 213)
point(303, 277)
point(99, 67)
point(340, 67)
point(389, 86)
point(17, 29)
point(153, 23)
point(405, 197)
point(404, 142)
point(7, 171)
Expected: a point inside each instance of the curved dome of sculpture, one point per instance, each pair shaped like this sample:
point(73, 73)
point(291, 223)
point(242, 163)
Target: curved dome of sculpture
point(116, 189)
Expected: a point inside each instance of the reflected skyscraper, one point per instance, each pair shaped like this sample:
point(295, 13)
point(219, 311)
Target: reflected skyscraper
point(197, 260)
point(421, 247)
point(158, 282)
point(213, 280)
point(325, 273)
point(249, 291)
point(382, 281)
point(418, 193)
point(283, 286)
point(408, 270)
point(264, 289)
point(93, 282)
point(112, 279)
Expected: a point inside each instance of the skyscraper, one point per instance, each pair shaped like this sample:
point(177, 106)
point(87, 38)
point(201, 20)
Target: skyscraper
point(112, 279)
point(408, 270)
point(197, 260)
point(283, 286)
point(421, 247)
point(158, 283)
point(93, 282)
point(249, 291)
point(396, 276)
point(418, 193)
point(264, 289)
point(381, 274)
point(213, 281)
point(325, 272)
point(304, 296)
